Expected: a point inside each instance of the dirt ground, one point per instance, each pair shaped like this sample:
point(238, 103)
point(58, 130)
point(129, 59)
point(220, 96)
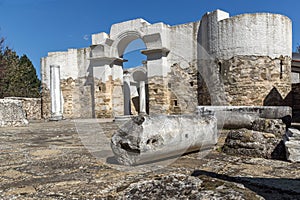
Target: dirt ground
point(50, 160)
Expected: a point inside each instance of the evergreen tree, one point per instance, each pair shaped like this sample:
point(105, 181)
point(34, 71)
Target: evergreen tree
point(10, 61)
point(28, 81)
point(2, 67)
point(17, 75)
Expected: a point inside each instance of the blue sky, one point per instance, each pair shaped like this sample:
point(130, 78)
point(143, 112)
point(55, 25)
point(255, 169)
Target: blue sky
point(35, 27)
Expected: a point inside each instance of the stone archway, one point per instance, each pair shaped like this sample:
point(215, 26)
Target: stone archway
point(135, 81)
point(106, 64)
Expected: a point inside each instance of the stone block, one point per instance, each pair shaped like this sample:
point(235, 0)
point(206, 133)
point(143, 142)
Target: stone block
point(292, 145)
point(254, 144)
point(12, 113)
point(31, 106)
point(274, 126)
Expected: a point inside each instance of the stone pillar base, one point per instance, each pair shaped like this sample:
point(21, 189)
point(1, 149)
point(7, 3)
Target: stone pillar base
point(56, 118)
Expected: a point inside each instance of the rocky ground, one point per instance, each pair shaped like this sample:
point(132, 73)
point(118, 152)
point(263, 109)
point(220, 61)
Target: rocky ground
point(49, 161)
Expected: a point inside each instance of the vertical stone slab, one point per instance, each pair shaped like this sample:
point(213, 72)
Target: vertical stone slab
point(142, 97)
point(55, 92)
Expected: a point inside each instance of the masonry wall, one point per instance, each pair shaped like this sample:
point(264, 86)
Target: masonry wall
point(77, 98)
point(183, 89)
point(76, 84)
point(255, 80)
point(32, 107)
point(251, 54)
point(108, 98)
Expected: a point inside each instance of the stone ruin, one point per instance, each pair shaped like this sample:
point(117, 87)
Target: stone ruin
point(219, 60)
point(18, 111)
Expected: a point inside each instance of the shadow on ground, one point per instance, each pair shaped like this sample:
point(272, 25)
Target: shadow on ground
point(265, 187)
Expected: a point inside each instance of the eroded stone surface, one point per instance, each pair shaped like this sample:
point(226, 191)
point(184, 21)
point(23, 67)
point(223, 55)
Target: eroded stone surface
point(274, 126)
point(292, 145)
point(254, 144)
point(12, 113)
point(69, 171)
point(31, 106)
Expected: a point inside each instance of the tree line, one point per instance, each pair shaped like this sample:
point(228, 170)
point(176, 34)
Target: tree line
point(17, 74)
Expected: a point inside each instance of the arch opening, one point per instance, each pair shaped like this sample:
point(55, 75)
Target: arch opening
point(136, 97)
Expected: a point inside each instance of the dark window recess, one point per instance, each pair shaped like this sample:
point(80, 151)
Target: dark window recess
point(169, 85)
point(100, 89)
point(220, 67)
point(281, 69)
point(192, 84)
point(155, 91)
point(175, 103)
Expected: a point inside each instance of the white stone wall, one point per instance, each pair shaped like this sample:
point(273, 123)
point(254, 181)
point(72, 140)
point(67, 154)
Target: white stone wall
point(73, 63)
point(260, 34)
point(184, 44)
point(208, 33)
point(118, 28)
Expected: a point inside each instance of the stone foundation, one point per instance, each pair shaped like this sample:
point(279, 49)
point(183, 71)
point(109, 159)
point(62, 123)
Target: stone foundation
point(244, 142)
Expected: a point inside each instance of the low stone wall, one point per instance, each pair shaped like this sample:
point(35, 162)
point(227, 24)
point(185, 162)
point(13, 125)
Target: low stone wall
point(12, 113)
point(31, 106)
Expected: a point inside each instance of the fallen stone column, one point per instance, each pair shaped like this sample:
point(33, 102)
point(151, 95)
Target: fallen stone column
point(149, 138)
point(244, 116)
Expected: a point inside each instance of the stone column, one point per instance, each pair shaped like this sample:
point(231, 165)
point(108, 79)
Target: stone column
point(55, 92)
point(157, 72)
point(142, 97)
point(126, 92)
